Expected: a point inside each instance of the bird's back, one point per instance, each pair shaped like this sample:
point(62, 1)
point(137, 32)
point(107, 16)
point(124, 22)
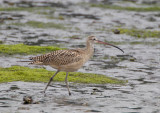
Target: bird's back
point(61, 59)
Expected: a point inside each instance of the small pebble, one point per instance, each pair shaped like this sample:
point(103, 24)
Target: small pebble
point(116, 31)
point(27, 100)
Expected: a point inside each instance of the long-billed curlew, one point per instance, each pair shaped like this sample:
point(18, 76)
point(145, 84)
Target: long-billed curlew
point(68, 60)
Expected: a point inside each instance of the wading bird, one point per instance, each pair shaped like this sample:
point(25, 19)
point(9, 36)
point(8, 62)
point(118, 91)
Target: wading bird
point(68, 60)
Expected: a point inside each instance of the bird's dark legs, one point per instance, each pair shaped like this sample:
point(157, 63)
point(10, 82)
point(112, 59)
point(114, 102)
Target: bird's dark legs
point(51, 80)
point(67, 83)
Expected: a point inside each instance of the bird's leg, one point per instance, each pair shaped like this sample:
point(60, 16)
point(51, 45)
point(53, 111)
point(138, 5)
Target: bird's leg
point(51, 80)
point(67, 83)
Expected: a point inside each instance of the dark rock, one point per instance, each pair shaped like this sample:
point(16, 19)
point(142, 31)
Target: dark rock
point(151, 19)
point(88, 16)
point(116, 31)
point(27, 100)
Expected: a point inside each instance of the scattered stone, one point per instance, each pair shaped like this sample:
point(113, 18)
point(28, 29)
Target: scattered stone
point(23, 108)
point(127, 57)
point(149, 27)
point(151, 19)
point(116, 31)
point(14, 87)
point(88, 16)
point(93, 111)
point(27, 100)
point(95, 90)
point(132, 59)
point(157, 15)
point(149, 2)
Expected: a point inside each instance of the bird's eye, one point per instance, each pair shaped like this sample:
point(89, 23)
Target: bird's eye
point(94, 39)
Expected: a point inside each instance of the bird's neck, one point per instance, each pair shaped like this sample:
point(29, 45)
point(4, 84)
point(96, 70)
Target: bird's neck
point(89, 49)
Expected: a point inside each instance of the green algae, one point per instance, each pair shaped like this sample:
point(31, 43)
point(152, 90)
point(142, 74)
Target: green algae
point(53, 17)
point(72, 37)
point(38, 24)
point(1, 42)
point(25, 49)
point(19, 73)
point(140, 33)
point(138, 9)
point(46, 12)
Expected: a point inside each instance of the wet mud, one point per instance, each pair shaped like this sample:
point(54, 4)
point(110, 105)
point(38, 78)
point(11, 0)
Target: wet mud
point(139, 64)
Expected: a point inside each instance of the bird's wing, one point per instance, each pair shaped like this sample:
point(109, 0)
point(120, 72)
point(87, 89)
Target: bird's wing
point(59, 57)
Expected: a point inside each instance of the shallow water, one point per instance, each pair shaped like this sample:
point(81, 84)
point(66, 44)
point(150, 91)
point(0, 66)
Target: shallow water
point(140, 95)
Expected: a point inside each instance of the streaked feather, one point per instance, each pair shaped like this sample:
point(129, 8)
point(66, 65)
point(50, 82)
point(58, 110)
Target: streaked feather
point(59, 57)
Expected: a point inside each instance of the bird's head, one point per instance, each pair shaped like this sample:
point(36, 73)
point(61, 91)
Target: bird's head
point(93, 39)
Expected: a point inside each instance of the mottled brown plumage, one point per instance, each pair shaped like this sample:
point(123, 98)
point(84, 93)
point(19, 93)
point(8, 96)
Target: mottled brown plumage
point(59, 59)
point(68, 60)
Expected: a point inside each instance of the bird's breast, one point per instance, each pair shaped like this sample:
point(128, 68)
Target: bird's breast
point(69, 67)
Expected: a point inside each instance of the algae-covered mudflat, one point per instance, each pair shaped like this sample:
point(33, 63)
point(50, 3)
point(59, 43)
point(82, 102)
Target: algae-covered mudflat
point(18, 73)
point(126, 8)
point(25, 49)
point(37, 24)
point(140, 33)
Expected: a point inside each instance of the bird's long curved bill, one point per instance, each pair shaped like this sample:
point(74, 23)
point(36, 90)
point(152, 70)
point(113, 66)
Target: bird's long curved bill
point(109, 44)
